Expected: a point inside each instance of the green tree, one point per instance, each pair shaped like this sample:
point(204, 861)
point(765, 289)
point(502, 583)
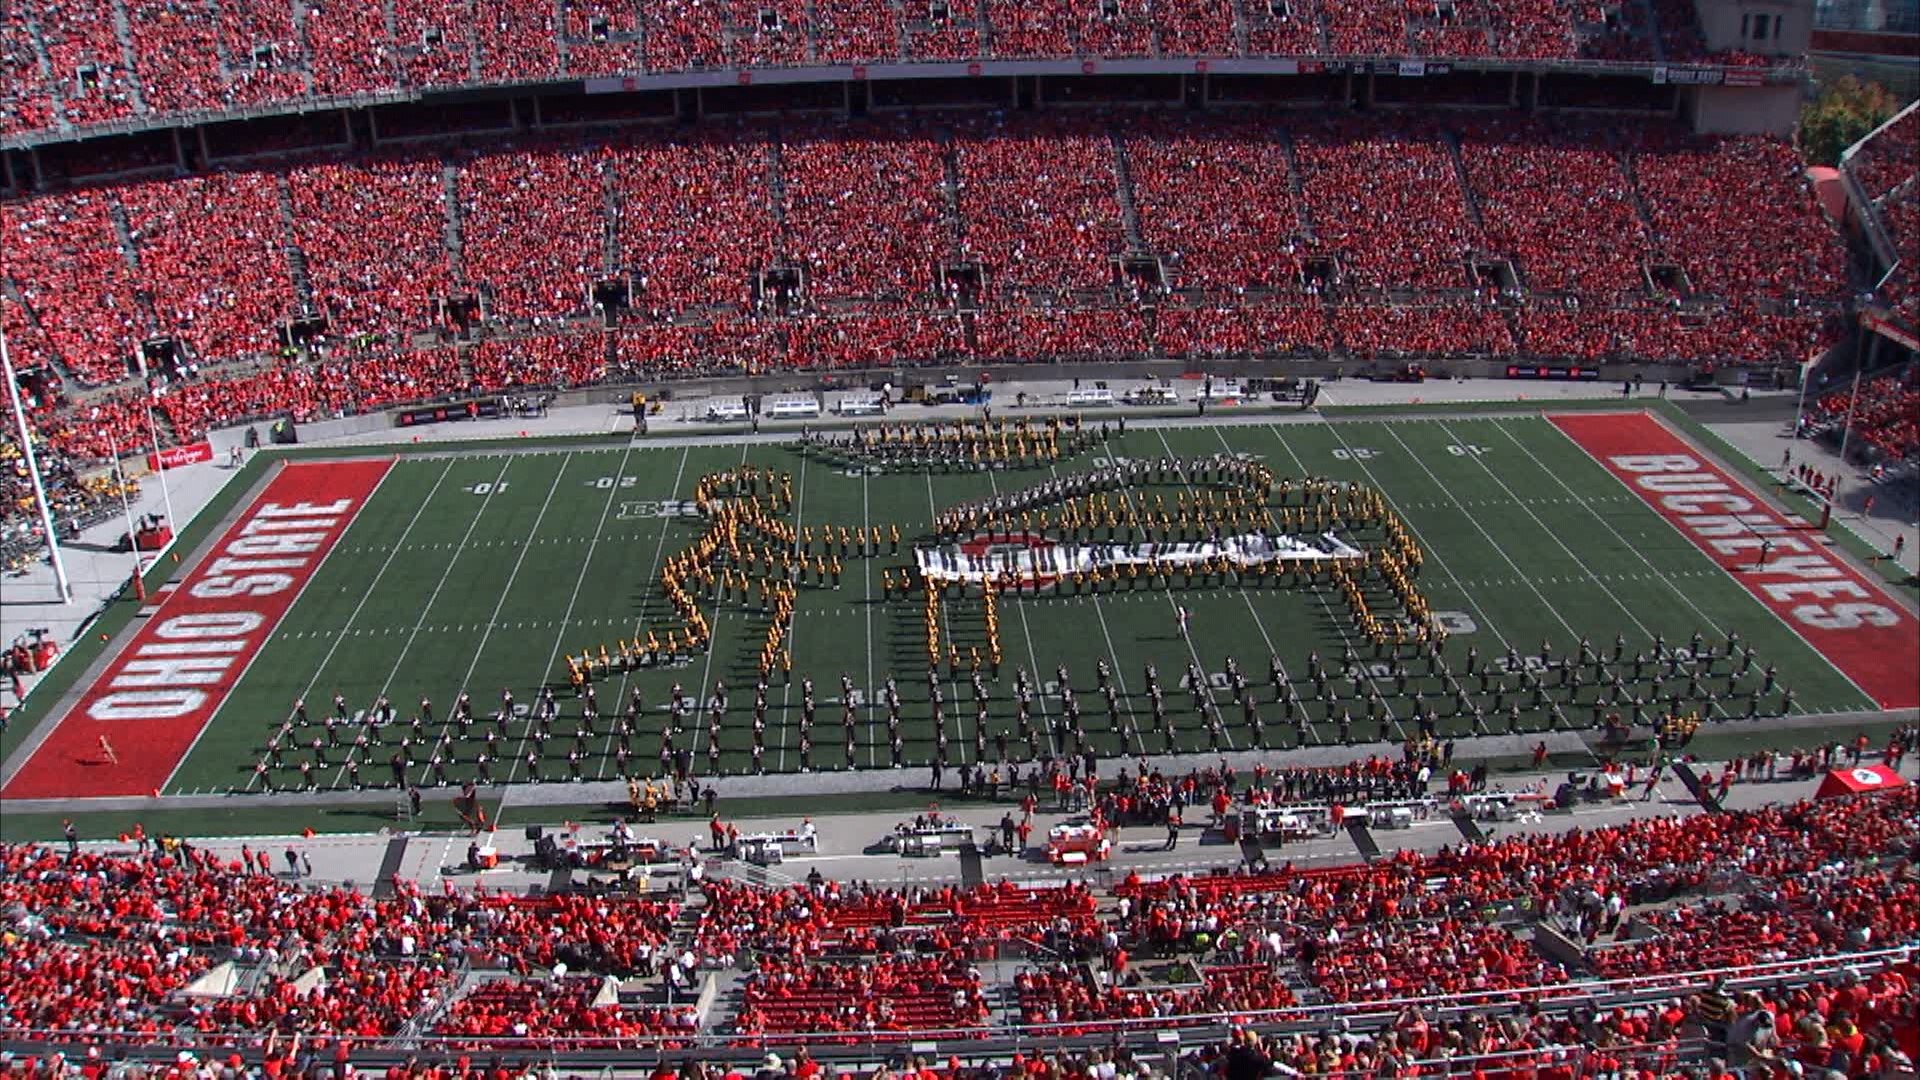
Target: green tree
point(1840, 116)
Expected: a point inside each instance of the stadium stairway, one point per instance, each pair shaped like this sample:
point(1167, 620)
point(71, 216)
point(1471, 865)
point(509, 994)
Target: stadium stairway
point(1467, 195)
point(1240, 26)
point(296, 258)
point(123, 33)
point(1629, 167)
point(1123, 191)
point(450, 205)
point(1299, 188)
point(610, 223)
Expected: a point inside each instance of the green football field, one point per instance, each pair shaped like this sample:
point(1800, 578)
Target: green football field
point(481, 570)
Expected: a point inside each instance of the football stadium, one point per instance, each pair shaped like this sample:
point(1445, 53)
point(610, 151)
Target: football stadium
point(1057, 540)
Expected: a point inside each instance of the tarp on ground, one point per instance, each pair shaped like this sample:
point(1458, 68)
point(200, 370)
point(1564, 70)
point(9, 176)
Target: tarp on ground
point(1859, 780)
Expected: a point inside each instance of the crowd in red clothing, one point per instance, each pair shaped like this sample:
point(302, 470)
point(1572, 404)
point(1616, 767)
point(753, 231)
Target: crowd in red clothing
point(695, 219)
point(1190, 186)
point(1831, 912)
point(1716, 231)
point(828, 917)
point(73, 276)
point(1887, 416)
point(530, 229)
point(212, 255)
point(1557, 198)
point(1438, 958)
point(1039, 204)
point(251, 52)
point(1885, 161)
point(374, 237)
point(863, 209)
point(1375, 238)
point(100, 940)
point(1412, 229)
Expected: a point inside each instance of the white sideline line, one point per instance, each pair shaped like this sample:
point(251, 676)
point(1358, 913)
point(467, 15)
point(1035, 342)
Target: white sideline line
point(392, 463)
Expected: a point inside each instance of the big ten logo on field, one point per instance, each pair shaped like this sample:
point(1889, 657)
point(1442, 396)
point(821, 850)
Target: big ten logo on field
point(647, 509)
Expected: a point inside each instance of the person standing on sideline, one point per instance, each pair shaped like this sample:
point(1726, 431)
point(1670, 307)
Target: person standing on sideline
point(1173, 831)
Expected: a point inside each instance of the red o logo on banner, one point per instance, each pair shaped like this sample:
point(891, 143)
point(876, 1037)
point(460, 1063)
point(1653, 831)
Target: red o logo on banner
point(859, 72)
point(1200, 66)
point(973, 70)
point(746, 78)
point(1086, 67)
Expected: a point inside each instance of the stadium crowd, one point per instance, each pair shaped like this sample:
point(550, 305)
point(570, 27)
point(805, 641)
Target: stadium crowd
point(186, 61)
point(749, 247)
point(104, 947)
point(1886, 418)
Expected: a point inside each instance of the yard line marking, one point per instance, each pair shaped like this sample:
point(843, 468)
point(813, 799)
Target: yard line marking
point(559, 636)
point(504, 590)
point(1386, 700)
point(400, 657)
point(786, 692)
point(866, 568)
point(1432, 552)
point(1213, 703)
point(1572, 634)
point(1119, 669)
point(952, 676)
point(1608, 525)
point(653, 572)
point(1480, 460)
point(713, 639)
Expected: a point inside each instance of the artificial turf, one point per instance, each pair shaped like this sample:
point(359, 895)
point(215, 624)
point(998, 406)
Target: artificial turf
point(481, 569)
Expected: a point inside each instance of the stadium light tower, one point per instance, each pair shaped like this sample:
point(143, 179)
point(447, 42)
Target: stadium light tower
point(33, 471)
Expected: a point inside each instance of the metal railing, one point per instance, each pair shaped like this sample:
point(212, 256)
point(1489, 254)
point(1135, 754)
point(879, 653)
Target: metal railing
point(1355, 1017)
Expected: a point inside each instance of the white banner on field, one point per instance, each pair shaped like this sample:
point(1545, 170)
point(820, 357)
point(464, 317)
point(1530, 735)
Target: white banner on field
point(1029, 557)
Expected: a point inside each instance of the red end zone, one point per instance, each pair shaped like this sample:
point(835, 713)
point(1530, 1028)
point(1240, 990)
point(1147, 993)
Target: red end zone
point(153, 700)
point(1846, 617)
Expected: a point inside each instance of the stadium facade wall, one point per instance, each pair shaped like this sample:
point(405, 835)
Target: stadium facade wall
point(1756, 110)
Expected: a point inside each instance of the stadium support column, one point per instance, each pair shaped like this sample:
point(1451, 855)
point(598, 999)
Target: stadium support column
point(33, 471)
